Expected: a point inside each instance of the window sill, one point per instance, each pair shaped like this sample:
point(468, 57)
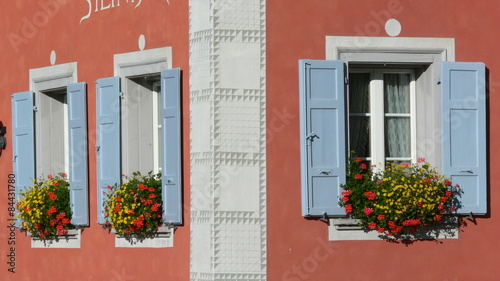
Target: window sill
point(164, 238)
point(345, 229)
point(71, 241)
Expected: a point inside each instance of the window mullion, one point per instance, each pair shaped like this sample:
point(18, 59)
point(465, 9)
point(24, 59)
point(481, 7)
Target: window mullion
point(377, 120)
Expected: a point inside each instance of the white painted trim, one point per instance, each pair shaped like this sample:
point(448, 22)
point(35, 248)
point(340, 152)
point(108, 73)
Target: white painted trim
point(337, 45)
point(164, 238)
point(142, 62)
point(52, 77)
point(346, 229)
point(72, 241)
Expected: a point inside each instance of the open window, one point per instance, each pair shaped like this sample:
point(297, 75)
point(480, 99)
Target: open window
point(325, 128)
point(50, 134)
point(139, 126)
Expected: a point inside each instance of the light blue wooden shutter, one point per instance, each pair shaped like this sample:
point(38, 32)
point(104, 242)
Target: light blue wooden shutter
point(464, 132)
point(108, 138)
point(78, 156)
point(171, 138)
point(322, 136)
point(23, 125)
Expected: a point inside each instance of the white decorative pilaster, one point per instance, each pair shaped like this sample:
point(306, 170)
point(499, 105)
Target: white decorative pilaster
point(228, 160)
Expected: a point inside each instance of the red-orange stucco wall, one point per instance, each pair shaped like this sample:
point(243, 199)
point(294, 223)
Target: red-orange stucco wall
point(91, 43)
point(297, 247)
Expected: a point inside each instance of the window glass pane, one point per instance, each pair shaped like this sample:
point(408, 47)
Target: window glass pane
point(359, 135)
point(396, 93)
point(397, 137)
point(359, 98)
point(359, 113)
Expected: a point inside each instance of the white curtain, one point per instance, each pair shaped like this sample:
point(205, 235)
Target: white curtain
point(397, 128)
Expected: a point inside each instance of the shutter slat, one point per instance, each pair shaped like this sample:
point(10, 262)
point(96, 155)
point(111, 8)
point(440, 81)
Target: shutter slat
point(323, 136)
point(171, 138)
point(464, 132)
point(108, 138)
point(78, 156)
point(23, 126)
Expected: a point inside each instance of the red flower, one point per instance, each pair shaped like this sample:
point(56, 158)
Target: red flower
point(368, 211)
point(142, 186)
point(52, 196)
point(152, 189)
point(371, 195)
point(447, 182)
point(64, 175)
point(348, 208)
point(381, 217)
point(363, 166)
point(381, 229)
point(444, 199)
point(66, 220)
point(152, 195)
point(49, 176)
point(421, 160)
point(51, 210)
point(372, 225)
point(358, 176)
point(345, 199)
point(359, 159)
point(56, 183)
point(438, 217)
point(346, 192)
point(420, 204)
point(155, 207)
point(449, 193)
point(118, 199)
point(110, 187)
point(440, 206)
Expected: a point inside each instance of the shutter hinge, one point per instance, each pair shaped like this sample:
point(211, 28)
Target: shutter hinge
point(35, 109)
point(14, 159)
point(97, 147)
point(438, 81)
point(324, 218)
point(311, 136)
point(346, 80)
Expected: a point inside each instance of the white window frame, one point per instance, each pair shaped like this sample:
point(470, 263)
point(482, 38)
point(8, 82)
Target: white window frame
point(134, 64)
point(407, 51)
point(377, 114)
point(43, 81)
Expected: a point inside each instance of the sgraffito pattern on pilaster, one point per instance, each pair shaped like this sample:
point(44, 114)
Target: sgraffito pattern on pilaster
point(228, 161)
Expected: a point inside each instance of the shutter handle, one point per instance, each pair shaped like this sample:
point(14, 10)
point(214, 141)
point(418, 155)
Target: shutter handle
point(311, 136)
point(321, 172)
point(97, 147)
point(466, 171)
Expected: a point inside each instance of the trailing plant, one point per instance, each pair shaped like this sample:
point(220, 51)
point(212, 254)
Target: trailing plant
point(402, 196)
point(135, 206)
point(44, 207)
